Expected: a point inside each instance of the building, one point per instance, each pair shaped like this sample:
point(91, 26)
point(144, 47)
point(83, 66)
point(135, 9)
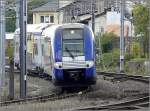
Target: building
point(77, 8)
point(100, 22)
point(46, 13)
point(80, 11)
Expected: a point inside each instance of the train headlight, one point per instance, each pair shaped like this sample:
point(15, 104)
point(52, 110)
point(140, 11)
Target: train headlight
point(58, 65)
point(89, 64)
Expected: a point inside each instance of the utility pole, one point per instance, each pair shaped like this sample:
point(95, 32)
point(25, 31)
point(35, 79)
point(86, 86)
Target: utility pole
point(58, 11)
point(23, 48)
point(93, 15)
point(122, 44)
point(149, 37)
point(2, 45)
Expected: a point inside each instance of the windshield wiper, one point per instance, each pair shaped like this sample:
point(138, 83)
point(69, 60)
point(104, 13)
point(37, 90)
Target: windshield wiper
point(71, 55)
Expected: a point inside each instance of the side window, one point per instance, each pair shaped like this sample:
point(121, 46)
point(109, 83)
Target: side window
point(35, 49)
point(17, 47)
point(43, 50)
point(47, 47)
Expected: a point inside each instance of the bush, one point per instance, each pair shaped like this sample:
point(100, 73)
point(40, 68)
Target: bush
point(106, 41)
point(136, 49)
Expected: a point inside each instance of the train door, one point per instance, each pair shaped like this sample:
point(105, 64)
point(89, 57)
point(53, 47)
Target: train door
point(29, 50)
point(36, 52)
point(47, 55)
point(16, 51)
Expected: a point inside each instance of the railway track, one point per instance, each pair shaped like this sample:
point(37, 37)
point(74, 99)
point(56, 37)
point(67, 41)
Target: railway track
point(117, 76)
point(135, 104)
point(34, 73)
point(131, 104)
point(49, 97)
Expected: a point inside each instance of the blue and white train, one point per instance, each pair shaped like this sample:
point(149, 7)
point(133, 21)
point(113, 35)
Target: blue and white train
point(66, 51)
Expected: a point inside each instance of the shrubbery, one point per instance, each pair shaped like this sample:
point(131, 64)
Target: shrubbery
point(106, 41)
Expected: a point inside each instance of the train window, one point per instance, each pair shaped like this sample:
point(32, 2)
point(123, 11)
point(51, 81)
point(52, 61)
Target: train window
point(29, 36)
point(73, 42)
point(35, 49)
point(42, 49)
point(73, 34)
point(47, 47)
point(17, 47)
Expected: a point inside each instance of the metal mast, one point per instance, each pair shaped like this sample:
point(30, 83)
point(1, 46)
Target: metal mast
point(23, 23)
point(122, 37)
point(93, 15)
point(2, 45)
point(149, 37)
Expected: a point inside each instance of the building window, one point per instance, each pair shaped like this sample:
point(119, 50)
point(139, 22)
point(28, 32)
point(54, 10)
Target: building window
point(46, 19)
point(102, 29)
point(42, 19)
point(52, 19)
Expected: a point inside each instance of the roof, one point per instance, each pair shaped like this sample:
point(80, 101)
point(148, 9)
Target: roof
point(87, 17)
point(35, 28)
point(69, 4)
point(51, 6)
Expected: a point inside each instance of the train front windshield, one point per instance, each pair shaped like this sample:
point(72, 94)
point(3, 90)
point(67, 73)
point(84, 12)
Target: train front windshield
point(73, 43)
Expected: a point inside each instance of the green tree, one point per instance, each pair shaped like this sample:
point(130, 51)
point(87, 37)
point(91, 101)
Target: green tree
point(107, 40)
point(11, 14)
point(140, 21)
point(10, 20)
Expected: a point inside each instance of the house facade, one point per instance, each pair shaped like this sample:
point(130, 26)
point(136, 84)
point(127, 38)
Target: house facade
point(46, 13)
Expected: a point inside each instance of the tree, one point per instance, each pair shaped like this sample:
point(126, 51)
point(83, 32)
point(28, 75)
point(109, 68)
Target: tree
point(107, 40)
point(140, 21)
point(10, 20)
point(11, 14)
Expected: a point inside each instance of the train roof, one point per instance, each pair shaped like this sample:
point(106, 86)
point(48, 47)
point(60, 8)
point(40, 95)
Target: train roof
point(67, 25)
point(35, 28)
point(9, 36)
point(72, 25)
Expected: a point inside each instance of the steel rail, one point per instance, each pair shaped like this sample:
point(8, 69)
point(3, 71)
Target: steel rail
point(5, 103)
point(140, 78)
point(131, 104)
point(50, 97)
point(137, 103)
point(35, 74)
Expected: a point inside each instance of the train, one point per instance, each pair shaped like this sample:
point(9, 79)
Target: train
point(66, 52)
